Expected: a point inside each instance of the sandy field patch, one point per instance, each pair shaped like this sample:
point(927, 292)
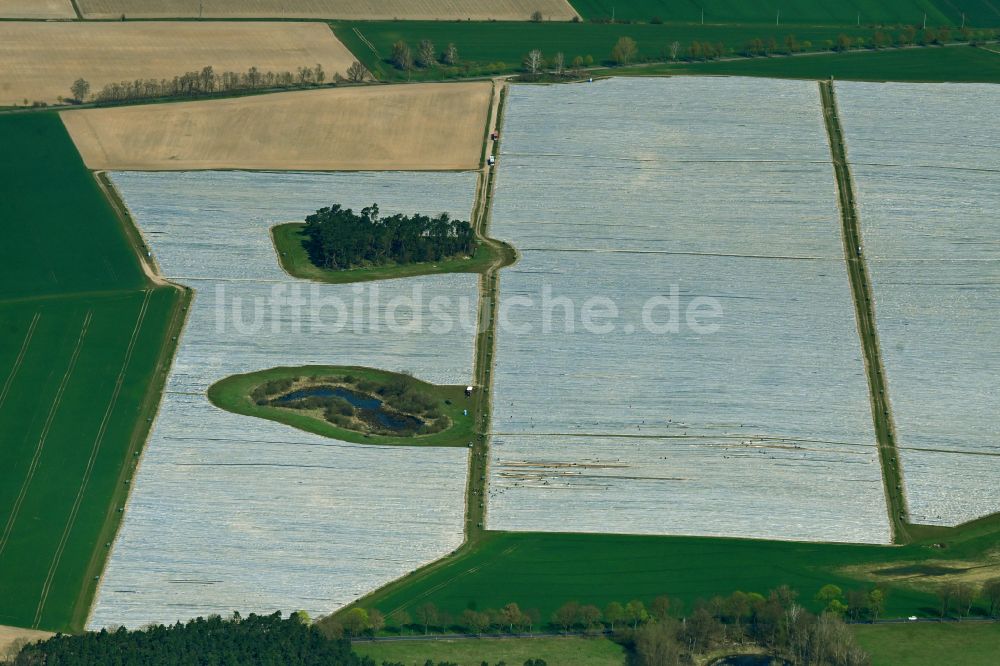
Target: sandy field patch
point(399, 127)
point(11, 639)
point(41, 60)
point(43, 9)
point(413, 10)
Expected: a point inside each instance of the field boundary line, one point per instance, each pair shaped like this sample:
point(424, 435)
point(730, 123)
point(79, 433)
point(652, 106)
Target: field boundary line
point(20, 358)
point(474, 516)
point(95, 449)
point(15, 510)
point(864, 308)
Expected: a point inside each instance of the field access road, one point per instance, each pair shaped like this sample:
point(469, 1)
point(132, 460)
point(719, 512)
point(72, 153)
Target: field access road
point(489, 283)
point(885, 431)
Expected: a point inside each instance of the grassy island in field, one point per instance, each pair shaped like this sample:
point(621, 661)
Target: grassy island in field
point(337, 245)
point(289, 244)
point(352, 404)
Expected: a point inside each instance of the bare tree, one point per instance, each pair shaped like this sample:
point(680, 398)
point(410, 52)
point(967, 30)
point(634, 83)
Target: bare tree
point(624, 50)
point(376, 621)
point(656, 645)
point(533, 62)
point(208, 79)
point(567, 615)
point(965, 595)
point(425, 53)
point(402, 56)
point(991, 591)
point(427, 614)
point(80, 89)
point(318, 74)
point(559, 64)
point(450, 55)
point(675, 48)
point(356, 72)
point(536, 16)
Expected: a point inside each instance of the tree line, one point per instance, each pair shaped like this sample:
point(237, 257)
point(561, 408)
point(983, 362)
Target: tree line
point(625, 50)
point(337, 238)
point(207, 81)
point(662, 634)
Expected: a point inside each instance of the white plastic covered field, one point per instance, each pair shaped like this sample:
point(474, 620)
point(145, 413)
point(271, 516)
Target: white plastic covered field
point(722, 189)
point(926, 163)
point(235, 513)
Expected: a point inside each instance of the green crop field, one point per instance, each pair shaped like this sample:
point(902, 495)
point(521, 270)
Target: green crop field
point(939, 12)
point(956, 64)
point(555, 651)
point(930, 644)
point(543, 571)
point(501, 47)
point(82, 333)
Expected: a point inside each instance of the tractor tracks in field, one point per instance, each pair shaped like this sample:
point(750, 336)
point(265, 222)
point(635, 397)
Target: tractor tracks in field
point(885, 430)
point(20, 358)
point(43, 436)
point(92, 460)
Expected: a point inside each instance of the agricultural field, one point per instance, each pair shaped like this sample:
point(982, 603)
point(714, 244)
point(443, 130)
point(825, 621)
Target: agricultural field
point(81, 340)
point(429, 127)
point(359, 10)
point(36, 9)
point(928, 191)
point(233, 512)
point(761, 428)
point(42, 60)
point(957, 64)
point(939, 12)
point(930, 644)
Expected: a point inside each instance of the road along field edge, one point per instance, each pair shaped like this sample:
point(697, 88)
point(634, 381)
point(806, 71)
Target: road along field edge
point(485, 345)
point(885, 429)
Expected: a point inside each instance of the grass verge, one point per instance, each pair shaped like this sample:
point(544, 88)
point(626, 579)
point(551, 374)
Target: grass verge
point(473, 652)
point(233, 394)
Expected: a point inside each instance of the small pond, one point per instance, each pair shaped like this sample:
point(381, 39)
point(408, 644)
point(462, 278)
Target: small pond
point(371, 408)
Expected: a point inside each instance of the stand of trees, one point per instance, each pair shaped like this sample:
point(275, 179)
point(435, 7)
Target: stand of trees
point(265, 640)
point(208, 81)
point(337, 238)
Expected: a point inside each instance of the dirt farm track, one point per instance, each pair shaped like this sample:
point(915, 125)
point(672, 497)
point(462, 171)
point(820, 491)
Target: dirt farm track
point(413, 10)
point(41, 60)
point(421, 127)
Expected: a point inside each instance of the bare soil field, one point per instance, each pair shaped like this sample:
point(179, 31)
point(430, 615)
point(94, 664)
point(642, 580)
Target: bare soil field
point(36, 9)
point(401, 127)
point(360, 10)
point(41, 60)
point(12, 638)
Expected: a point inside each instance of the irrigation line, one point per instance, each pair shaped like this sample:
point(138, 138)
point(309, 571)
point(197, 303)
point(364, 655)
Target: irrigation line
point(15, 510)
point(95, 449)
point(885, 431)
